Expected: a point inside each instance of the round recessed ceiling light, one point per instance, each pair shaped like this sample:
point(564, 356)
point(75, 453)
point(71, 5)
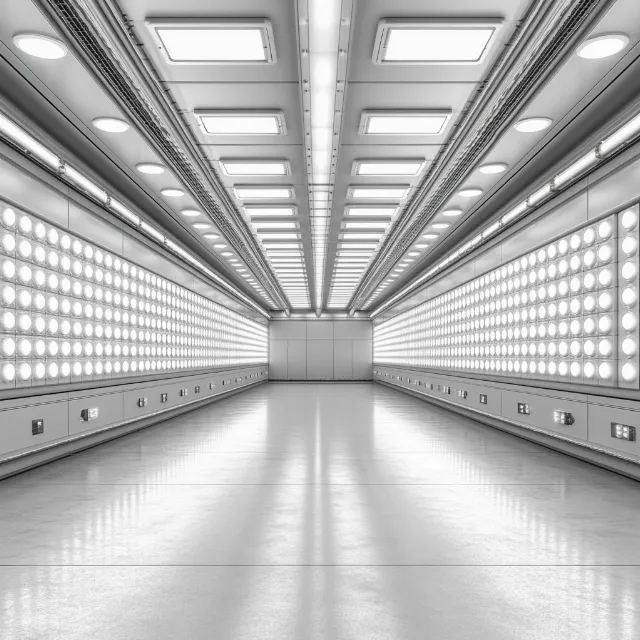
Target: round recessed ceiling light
point(172, 193)
point(211, 236)
point(452, 213)
point(220, 246)
point(201, 225)
point(40, 46)
point(190, 212)
point(150, 167)
point(470, 193)
point(441, 225)
point(603, 46)
point(494, 167)
point(111, 125)
point(226, 253)
point(531, 125)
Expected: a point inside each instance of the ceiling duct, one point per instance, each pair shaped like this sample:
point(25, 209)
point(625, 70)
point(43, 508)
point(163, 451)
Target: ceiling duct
point(538, 58)
point(132, 85)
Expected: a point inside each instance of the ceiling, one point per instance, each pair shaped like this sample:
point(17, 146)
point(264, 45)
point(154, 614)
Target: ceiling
point(319, 213)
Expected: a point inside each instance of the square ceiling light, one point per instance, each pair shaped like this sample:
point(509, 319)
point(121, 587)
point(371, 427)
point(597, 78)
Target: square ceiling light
point(263, 192)
point(240, 123)
point(404, 123)
point(434, 41)
point(389, 192)
point(411, 167)
point(255, 167)
point(206, 41)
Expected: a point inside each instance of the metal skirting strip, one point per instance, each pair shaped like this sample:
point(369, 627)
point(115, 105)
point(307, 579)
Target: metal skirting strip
point(585, 452)
point(33, 458)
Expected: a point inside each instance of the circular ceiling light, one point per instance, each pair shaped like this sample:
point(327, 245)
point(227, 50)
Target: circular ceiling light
point(494, 167)
point(111, 125)
point(603, 46)
point(452, 213)
point(470, 193)
point(190, 212)
point(441, 225)
point(531, 125)
point(40, 46)
point(220, 246)
point(201, 225)
point(150, 167)
point(172, 193)
point(211, 236)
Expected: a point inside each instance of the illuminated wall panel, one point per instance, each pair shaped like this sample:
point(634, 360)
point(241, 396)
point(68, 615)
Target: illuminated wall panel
point(72, 312)
point(567, 311)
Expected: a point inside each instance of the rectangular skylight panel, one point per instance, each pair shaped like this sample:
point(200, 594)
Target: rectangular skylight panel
point(361, 236)
point(388, 168)
point(275, 225)
point(358, 245)
point(366, 225)
point(282, 245)
point(384, 193)
point(370, 211)
point(260, 193)
point(255, 168)
point(279, 236)
point(433, 41)
point(230, 123)
point(419, 123)
point(215, 41)
point(259, 212)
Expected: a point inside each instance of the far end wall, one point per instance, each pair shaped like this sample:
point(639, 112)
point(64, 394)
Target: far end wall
point(320, 350)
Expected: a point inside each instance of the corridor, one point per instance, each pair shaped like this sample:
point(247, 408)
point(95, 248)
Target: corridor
point(319, 511)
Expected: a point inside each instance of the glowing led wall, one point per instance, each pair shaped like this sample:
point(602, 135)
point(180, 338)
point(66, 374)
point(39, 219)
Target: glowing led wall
point(72, 312)
point(566, 311)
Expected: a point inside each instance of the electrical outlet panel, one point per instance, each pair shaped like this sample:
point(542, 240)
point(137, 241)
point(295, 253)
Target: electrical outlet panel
point(164, 397)
point(212, 385)
point(183, 393)
point(462, 394)
point(197, 389)
point(86, 415)
point(563, 417)
point(445, 389)
point(483, 398)
point(524, 409)
point(142, 402)
point(623, 432)
point(37, 426)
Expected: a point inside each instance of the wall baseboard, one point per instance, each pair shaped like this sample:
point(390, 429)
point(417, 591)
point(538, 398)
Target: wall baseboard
point(56, 451)
point(603, 460)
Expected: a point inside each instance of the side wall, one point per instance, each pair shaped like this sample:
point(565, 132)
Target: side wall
point(320, 349)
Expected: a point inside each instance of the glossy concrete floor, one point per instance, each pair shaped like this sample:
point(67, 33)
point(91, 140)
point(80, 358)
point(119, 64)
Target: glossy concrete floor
point(308, 512)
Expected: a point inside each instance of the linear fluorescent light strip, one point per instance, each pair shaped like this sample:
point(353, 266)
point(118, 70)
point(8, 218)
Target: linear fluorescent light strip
point(567, 311)
point(622, 136)
point(26, 142)
point(85, 314)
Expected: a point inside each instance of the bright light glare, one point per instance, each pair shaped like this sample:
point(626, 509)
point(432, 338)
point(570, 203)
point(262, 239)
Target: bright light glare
point(111, 125)
point(437, 44)
point(150, 168)
point(603, 46)
point(172, 193)
point(370, 211)
point(495, 167)
point(531, 125)
point(255, 212)
point(212, 44)
point(396, 193)
point(247, 193)
point(250, 124)
point(40, 46)
point(380, 168)
point(409, 124)
point(267, 168)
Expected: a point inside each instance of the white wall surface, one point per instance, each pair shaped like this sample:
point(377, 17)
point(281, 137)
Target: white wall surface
point(320, 350)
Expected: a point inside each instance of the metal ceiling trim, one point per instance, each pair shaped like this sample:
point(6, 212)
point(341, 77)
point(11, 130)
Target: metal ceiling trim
point(104, 41)
point(539, 44)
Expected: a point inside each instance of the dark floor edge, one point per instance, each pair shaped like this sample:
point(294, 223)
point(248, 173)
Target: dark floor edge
point(54, 452)
point(603, 460)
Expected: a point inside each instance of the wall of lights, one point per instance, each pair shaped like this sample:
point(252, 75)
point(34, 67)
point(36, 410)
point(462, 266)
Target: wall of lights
point(566, 311)
point(71, 312)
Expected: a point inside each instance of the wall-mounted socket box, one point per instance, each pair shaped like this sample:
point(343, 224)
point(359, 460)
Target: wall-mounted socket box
point(142, 402)
point(445, 389)
point(37, 426)
point(183, 393)
point(197, 389)
point(524, 409)
point(483, 398)
point(89, 414)
point(563, 417)
point(164, 397)
point(462, 394)
point(623, 432)
point(212, 385)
